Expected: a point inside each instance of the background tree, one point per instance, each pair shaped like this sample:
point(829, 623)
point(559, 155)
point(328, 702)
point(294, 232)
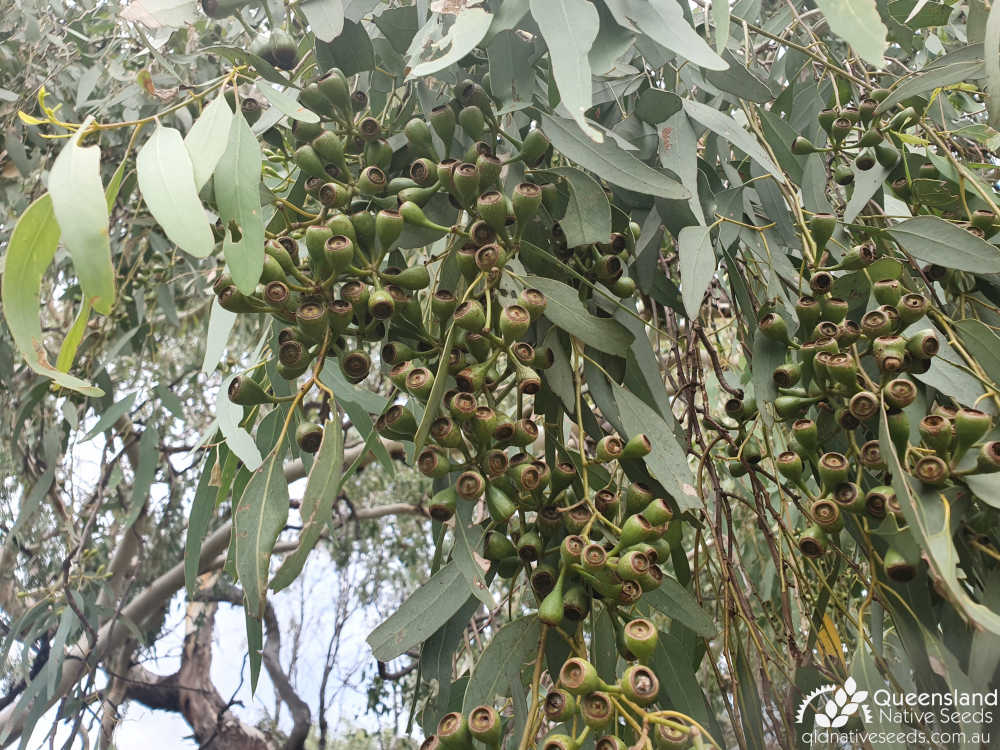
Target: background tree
point(729, 302)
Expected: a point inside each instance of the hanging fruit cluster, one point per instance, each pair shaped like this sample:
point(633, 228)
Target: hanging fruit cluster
point(842, 380)
point(580, 698)
point(333, 284)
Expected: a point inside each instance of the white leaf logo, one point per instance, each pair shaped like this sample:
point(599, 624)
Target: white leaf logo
point(850, 686)
point(840, 697)
point(822, 721)
point(830, 709)
point(838, 722)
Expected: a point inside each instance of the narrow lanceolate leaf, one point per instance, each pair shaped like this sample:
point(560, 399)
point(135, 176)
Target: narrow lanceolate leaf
point(259, 518)
point(427, 609)
point(928, 514)
point(566, 311)
point(991, 54)
point(465, 34)
point(318, 500)
point(663, 21)
point(285, 103)
point(326, 18)
point(220, 324)
point(937, 77)
point(610, 161)
point(434, 400)
point(725, 126)
point(514, 645)
point(200, 517)
point(697, 266)
point(207, 140)
point(720, 16)
point(67, 352)
point(81, 209)
point(111, 415)
point(32, 246)
point(166, 179)
point(468, 540)
point(677, 603)
point(588, 213)
point(667, 462)
point(857, 22)
point(237, 193)
point(934, 240)
point(569, 28)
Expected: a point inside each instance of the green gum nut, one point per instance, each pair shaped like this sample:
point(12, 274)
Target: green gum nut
point(514, 322)
point(453, 732)
point(579, 676)
point(338, 251)
point(443, 304)
point(923, 344)
point(641, 637)
point(834, 310)
point(419, 382)
point(808, 311)
point(887, 291)
point(899, 430)
point(526, 200)
point(535, 144)
point(826, 514)
point(465, 179)
point(388, 226)
point(774, 327)
point(672, 737)
point(470, 485)
point(560, 742)
point(446, 173)
point(897, 568)
point(848, 497)
point(247, 392)
point(414, 278)
point(813, 541)
point(821, 227)
point(563, 474)
point(489, 168)
point(339, 223)
point(470, 316)
point(496, 546)
point(865, 160)
point(381, 304)
point(419, 195)
point(826, 118)
point(309, 162)
point(316, 238)
point(912, 307)
point(355, 366)
point(443, 506)
point(550, 611)
point(484, 724)
point(271, 271)
point(443, 121)
point(802, 146)
point(424, 172)
point(988, 460)
point(597, 710)
point(364, 229)
point(311, 318)
point(333, 195)
point(638, 446)
point(886, 155)
point(499, 504)
point(970, 426)
point(372, 181)
point(937, 433)
point(492, 206)
point(432, 462)
point(418, 135)
point(378, 154)
point(639, 684)
point(871, 138)
point(790, 407)
point(334, 86)
point(787, 375)
point(305, 131)
point(413, 214)
point(472, 379)
point(312, 98)
point(789, 465)
point(833, 468)
point(559, 706)
point(472, 121)
point(658, 513)
point(858, 257)
point(329, 147)
point(576, 603)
